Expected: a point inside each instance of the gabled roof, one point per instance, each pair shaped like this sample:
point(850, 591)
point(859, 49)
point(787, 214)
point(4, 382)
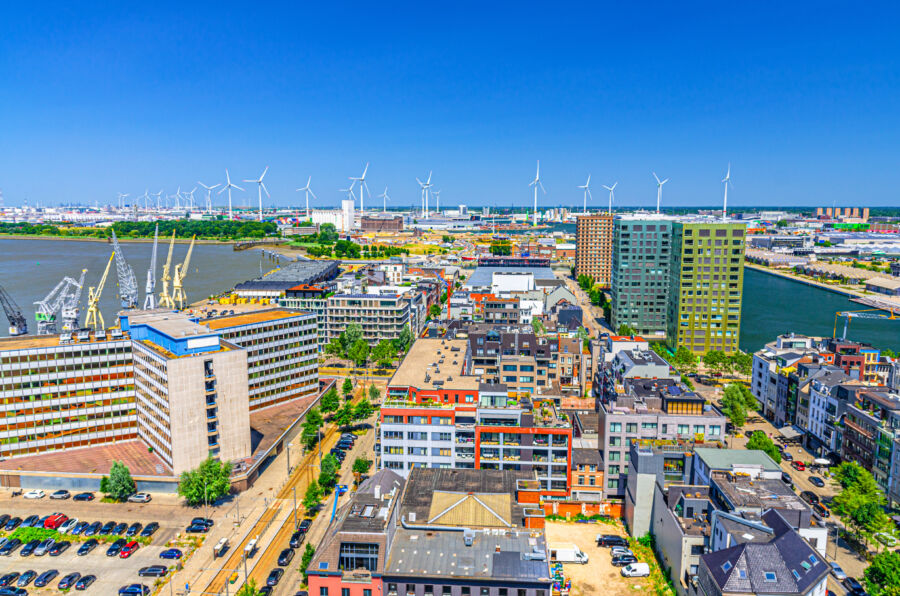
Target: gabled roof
point(479, 510)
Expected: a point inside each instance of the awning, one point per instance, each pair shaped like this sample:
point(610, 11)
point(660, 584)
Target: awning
point(790, 432)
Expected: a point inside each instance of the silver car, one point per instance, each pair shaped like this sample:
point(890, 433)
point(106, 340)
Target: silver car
point(837, 571)
point(44, 547)
point(618, 551)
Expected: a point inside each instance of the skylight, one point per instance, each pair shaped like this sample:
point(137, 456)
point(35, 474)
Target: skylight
point(813, 559)
point(742, 573)
point(796, 575)
point(726, 565)
point(770, 576)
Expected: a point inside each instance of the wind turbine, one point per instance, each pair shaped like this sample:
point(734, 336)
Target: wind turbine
point(146, 197)
point(122, 197)
point(611, 189)
point(308, 192)
point(437, 199)
point(209, 190)
point(363, 187)
point(228, 186)
point(385, 198)
point(727, 181)
point(535, 183)
point(586, 187)
point(425, 186)
point(659, 184)
point(261, 188)
point(191, 195)
point(350, 193)
point(158, 195)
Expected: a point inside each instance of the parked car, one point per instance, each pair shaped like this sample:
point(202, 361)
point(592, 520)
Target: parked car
point(297, 539)
point(55, 521)
point(26, 578)
point(786, 456)
point(798, 465)
point(59, 548)
point(809, 496)
point(8, 579)
point(197, 529)
point(30, 521)
point(139, 498)
point(620, 550)
point(853, 586)
point(12, 523)
point(43, 547)
point(3, 519)
point(153, 571)
point(128, 550)
point(68, 581)
point(611, 540)
point(134, 590)
point(285, 556)
point(34, 494)
point(821, 510)
point(83, 497)
point(116, 547)
point(837, 571)
point(45, 578)
point(265, 591)
point(274, 576)
point(119, 528)
point(11, 591)
point(786, 478)
point(60, 494)
point(202, 520)
point(87, 546)
point(623, 560)
point(10, 547)
point(149, 529)
point(92, 529)
point(134, 529)
point(171, 553)
point(85, 582)
point(29, 547)
point(816, 481)
point(636, 570)
point(304, 525)
point(67, 527)
point(79, 528)
point(107, 528)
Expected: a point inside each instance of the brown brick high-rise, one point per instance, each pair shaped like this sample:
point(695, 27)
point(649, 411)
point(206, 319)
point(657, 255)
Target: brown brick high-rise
point(593, 247)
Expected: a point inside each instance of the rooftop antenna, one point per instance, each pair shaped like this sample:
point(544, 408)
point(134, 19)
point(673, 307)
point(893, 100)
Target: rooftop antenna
point(586, 187)
point(659, 185)
point(363, 187)
point(425, 186)
point(228, 186)
point(209, 190)
point(150, 288)
point(535, 183)
point(385, 198)
point(261, 187)
point(308, 192)
point(727, 181)
point(611, 190)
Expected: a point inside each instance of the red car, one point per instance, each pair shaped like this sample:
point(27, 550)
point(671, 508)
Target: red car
point(128, 550)
point(55, 521)
point(798, 465)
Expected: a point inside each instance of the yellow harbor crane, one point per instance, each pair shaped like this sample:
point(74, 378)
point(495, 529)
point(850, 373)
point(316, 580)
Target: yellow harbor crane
point(181, 272)
point(869, 313)
point(94, 317)
point(165, 299)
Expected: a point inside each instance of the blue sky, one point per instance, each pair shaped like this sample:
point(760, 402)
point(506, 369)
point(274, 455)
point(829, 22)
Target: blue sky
point(800, 97)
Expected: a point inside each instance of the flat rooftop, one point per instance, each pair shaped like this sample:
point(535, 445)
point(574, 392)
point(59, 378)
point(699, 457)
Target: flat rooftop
point(760, 494)
point(435, 363)
point(250, 318)
point(493, 556)
point(291, 275)
point(268, 424)
point(92, 460)
point(174, 324)
point(483, 275)
point(25, 342)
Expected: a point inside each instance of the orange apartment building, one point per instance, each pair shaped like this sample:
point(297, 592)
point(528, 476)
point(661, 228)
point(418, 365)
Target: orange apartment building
point(593, 247)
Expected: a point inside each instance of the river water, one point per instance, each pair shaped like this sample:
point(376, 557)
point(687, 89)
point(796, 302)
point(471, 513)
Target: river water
point(30, 268)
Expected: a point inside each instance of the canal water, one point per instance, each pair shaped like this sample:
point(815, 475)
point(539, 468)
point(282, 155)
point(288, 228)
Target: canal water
point(30, 268)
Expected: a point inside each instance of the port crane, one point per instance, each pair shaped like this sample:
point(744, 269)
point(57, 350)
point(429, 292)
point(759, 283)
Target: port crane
point(128, 288)
point(94, 317)
point(70, 306)
point(46, 309)
point(870, 313)
point(17, 323)
point(150, 290)
point(181, 272)
point(165, 300)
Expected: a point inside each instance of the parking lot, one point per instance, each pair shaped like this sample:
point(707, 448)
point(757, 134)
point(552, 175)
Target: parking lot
point(112, 571)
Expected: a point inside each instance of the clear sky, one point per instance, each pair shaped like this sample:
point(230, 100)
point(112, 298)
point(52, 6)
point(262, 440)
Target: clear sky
point(802, 98)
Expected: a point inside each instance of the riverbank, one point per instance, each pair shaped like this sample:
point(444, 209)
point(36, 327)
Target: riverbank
point(869, 298)
point(122, 240)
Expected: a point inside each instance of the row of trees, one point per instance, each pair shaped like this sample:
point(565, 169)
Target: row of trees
point(208, 483)
point(860, 502)
point(350, 344)
point(720, 362)
point(217, 229)
point(341, 249)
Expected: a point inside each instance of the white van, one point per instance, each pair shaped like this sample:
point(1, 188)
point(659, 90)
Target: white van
point(567, 553)
point(636, 570)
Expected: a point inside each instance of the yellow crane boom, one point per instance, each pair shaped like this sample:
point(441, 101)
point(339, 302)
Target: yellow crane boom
point(94, 316)
point(165, 299)
point(181, 272)
point(869, 313)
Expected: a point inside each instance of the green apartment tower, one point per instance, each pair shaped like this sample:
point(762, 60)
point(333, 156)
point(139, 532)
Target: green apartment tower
point(706, 284)
point(639, 281)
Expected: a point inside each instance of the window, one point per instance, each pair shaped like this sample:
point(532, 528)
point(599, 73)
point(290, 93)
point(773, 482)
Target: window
point(613, 470)
point(612, 483)
point(355, 555)
point(522, 592)
point(698, 429)
point(742, 573)
point(446, 591)
point(323, 591)
point(726, 566)
point(770, 576)
point(615, 427)
point(418, 420)
point(592, 481)
point(393, 434)
point(615, 455)
point(631, 427)
point(417, 436)
point(684, 429)
point(367, 592)
point(345, 591)
point(715, 430)
point(466, 591)
point(429, 589)
point(581, 480)
point(615, 441)
point(501, 592)
point(392, 588)
point(393, 419)
point(442, 451)
point(485, 592)
point(441, 436)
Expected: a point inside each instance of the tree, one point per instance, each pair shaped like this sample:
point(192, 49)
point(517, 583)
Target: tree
point(328, 473)
point(759, 441)
point(883, 574)
point(733, 406)
point(434, 311)
point(359, 352)
point(344, 416)
point(404, 340)
point(374, 393)
point(742, 363)
point(685, 360)
point(363, 409)
point(347, 386)
point(335, 347)
point(352, 333)
point(384, 352)
point(209, 482)
point(311, 425)
point(861, 501)
point(715, 360)
point(361, 465)
point(307, 559)
point(330, 402)
point(248, 589)
point(120, 485)
point(625, 329)
point(538, 326)
point(313, 496)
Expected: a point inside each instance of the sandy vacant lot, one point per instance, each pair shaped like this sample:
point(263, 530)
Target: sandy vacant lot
point(598, 576)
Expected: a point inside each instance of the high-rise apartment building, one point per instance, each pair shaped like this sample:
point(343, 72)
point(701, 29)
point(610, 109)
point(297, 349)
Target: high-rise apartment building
point(706, 282)
point(639, 285)
point(593, 247)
